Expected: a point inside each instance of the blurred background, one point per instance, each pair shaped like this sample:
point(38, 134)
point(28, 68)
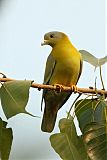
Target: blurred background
point(23, 24)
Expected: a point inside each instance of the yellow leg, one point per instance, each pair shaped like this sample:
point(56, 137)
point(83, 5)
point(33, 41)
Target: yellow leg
point(59, 87)
point(74, 88)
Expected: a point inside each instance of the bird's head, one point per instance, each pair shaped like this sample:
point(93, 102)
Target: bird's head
point(53, 38)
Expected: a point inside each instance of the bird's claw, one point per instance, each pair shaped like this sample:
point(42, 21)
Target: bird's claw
point(59, 87)
point(74, 88)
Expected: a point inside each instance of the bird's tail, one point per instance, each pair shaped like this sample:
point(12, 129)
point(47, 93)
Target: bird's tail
point(49, 118)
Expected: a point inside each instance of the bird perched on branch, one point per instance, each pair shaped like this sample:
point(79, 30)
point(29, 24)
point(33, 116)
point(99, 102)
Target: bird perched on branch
point(63, 68)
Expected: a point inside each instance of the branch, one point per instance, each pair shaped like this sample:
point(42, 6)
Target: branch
point(65, 88)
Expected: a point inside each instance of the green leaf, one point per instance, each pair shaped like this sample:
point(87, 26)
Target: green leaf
point(14, 97)
point(84, 112)
point(92, 118)
point(6, 138)
point(95, 140)
point(88, 57)
point(66, 143)
point(89, 110)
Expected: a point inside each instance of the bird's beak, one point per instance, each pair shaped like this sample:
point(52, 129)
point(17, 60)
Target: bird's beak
point(44, 43)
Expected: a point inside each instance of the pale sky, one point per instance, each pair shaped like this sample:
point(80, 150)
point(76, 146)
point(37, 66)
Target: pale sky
point(23, 24)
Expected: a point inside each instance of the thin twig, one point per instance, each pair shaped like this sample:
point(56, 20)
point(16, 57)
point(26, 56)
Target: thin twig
point(65, 88)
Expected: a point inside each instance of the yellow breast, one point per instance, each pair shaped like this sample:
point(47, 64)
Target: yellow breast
point(67, 67)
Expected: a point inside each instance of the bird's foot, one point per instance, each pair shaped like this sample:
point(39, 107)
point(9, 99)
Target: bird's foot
point(59, 87)
point(74, 88)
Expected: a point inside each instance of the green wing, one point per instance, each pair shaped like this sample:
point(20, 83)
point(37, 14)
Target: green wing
point(50, 66)
point(81, 66)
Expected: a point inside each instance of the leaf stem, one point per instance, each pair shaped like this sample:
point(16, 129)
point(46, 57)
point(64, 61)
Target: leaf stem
point(101, 78)
point(73, 104)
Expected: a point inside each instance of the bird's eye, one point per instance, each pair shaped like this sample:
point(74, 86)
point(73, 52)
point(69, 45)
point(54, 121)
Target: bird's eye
point(51, 36)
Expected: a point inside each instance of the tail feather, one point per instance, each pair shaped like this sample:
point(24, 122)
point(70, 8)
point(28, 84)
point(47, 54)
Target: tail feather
point(53, 102)
point(49, 119)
